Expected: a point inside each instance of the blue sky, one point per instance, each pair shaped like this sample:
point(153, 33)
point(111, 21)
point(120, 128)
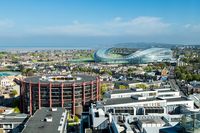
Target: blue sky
point(94, 22)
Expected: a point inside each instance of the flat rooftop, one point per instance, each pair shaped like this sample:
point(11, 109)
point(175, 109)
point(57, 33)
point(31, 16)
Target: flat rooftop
point(80, 78)
point(126, 100)
point(36, 123)
point(160, 91)
point(13, 118)
point(177, 99)
point(121, 91)
point(152, 121)
point(128, 91)
point(129, 82)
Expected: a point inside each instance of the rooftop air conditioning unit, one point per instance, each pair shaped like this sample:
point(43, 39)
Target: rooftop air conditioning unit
point(44, 77)
point(48, 119)
point(54, 109)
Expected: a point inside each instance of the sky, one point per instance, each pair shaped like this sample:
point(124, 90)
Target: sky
point(98, 22)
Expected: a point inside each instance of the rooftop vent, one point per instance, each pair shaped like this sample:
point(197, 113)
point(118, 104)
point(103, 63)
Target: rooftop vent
point(41, 126)
point(137, 89)
point(48, 118)
point(43, 77)
point(69, 76)
point(53, 109)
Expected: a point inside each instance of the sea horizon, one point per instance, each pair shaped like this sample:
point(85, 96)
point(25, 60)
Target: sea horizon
point(43, 48)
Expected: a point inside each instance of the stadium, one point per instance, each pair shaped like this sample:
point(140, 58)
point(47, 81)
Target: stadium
point(133, 56)
point(70, 92)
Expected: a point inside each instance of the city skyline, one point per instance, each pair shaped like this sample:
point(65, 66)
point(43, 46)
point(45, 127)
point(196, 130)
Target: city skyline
point(69, 23)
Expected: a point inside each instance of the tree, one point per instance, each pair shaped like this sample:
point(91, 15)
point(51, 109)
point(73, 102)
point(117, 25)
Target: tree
point(148, 69)
point(196, 77)
point(189, 77)
point(143, 86)
point(15, 59)
point(13, 93)
point(122, 87)
point(16, 110)
point(154, 86)
point(178, 73)
point(162, 65)
point(186, 60)
point(106, 71)
point(28, 72)
point(76, 119)
point(104, 88)
point(21, 68)
point(183, 76)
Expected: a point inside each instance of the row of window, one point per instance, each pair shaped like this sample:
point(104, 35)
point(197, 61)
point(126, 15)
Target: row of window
point(153, 111)
point(35, 90)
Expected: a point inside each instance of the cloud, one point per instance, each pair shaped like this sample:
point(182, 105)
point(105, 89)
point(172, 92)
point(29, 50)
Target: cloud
point(117, 19)
point(140, 26)
point(192, 27)
point(187, 26)
point(5, 24)
point(116, 27)
point(75, 29)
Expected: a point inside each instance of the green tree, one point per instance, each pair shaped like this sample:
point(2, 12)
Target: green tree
point(186, 60)
point(189, 77)
point(16, 110)
point(28, 72)
point(154, 86)
point(143, 86)
point(76, 119)
point(162, 65)
point(122, 87)
point(196, 77)
point(183, 76)
point(13, 93)
point(104, 88)
point(148, 69)
point(15, 59)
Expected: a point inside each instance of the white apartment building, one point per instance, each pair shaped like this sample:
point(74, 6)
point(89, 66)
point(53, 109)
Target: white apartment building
point(168, 99)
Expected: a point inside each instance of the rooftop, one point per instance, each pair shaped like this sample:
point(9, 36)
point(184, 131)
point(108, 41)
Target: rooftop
point(129, 82)
point(160, 91)
point(121, 91)
point(13, 118)
point(127, 100)
point(37, 123)
point(177, 99)
point(59, 79)
point(152, 121)
point(127, 91)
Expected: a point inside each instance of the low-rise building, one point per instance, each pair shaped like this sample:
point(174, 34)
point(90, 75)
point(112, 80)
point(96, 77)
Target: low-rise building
point(12, 122)
point(129, 92)
point(6, 82)
point(194, 87)
point(120, 122)
point(139, 98)
point(47, 120)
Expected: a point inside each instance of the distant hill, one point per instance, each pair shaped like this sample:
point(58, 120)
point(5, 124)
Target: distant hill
point(144, 45)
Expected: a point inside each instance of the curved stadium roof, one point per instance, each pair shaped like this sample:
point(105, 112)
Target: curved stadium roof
point(140, 56)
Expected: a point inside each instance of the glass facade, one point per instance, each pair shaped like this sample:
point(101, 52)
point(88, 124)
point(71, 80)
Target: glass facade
point(191, 122)
point(138, 57)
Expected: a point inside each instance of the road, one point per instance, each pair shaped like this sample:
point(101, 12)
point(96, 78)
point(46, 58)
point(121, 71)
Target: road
point(175, 87)
point(173, 83)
